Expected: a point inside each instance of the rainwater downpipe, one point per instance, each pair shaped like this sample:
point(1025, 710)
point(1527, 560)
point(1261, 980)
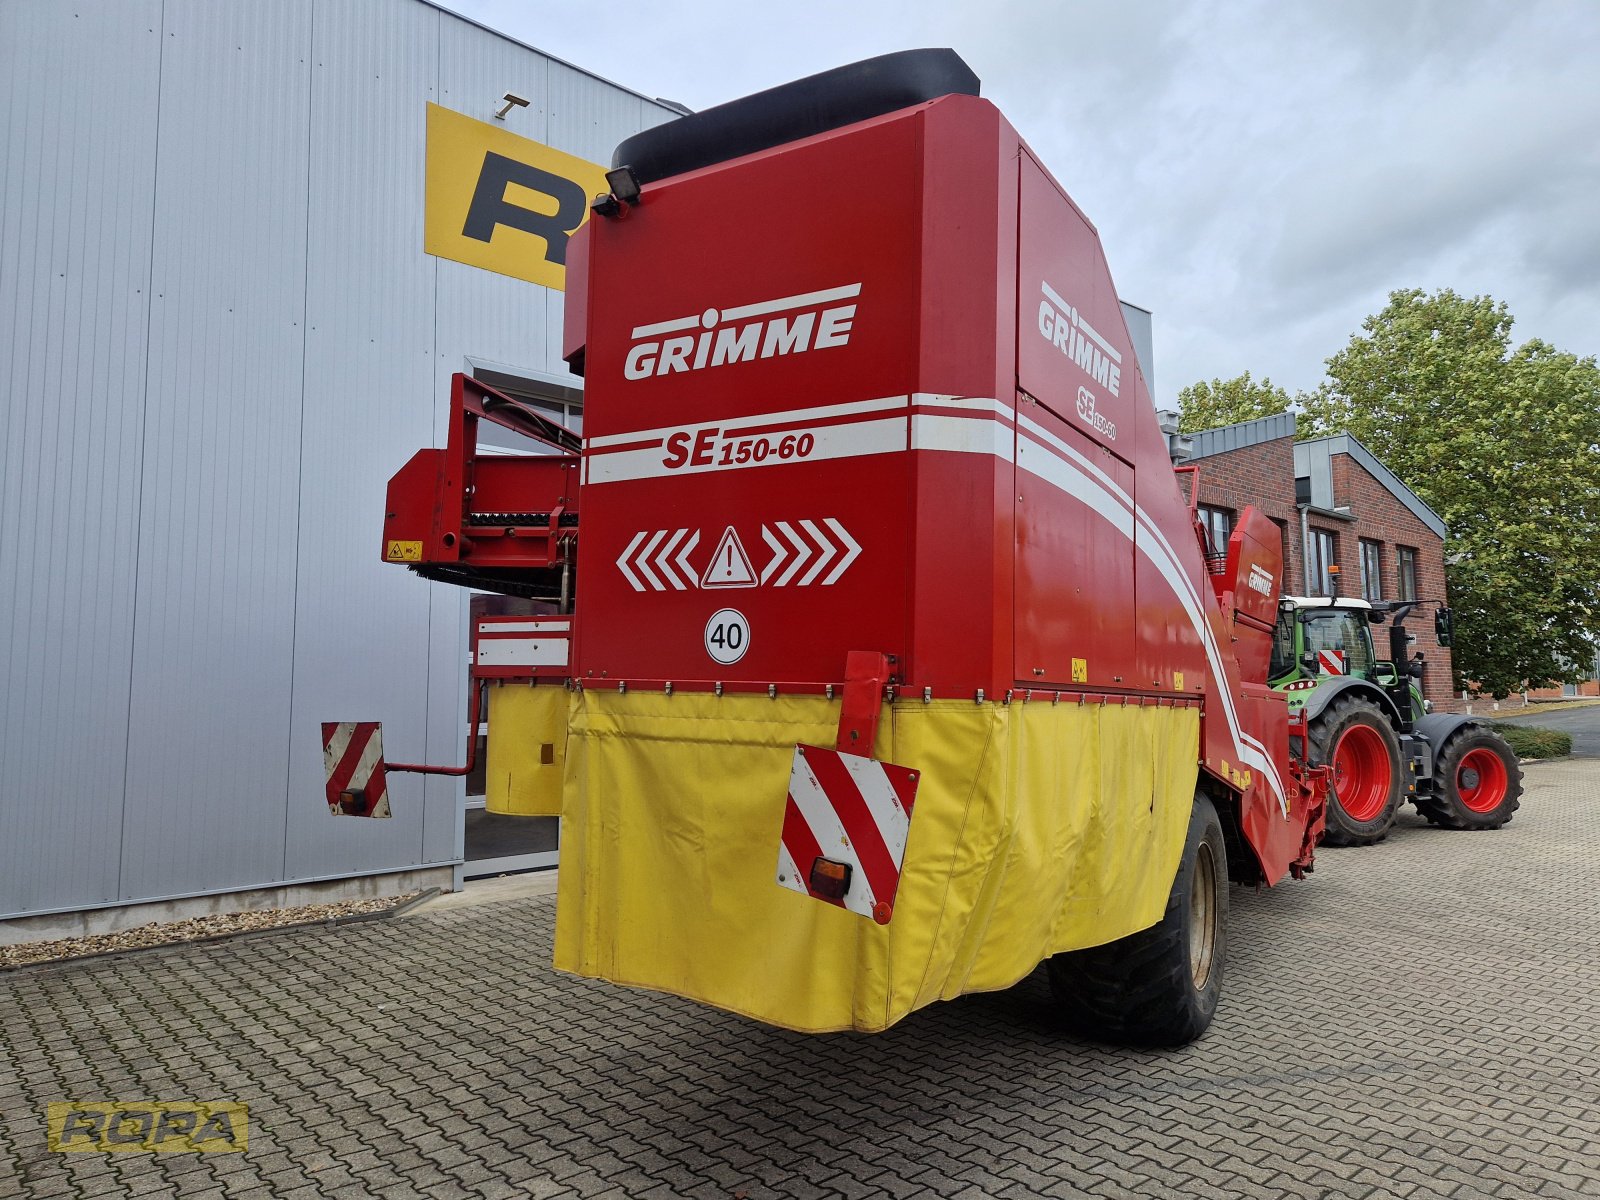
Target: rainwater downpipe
point(1305, 548)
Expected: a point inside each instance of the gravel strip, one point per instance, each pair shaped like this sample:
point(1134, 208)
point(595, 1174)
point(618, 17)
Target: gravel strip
point(1535, 707)
point(194, 929)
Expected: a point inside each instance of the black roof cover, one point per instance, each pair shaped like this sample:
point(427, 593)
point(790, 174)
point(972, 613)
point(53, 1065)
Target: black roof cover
point(792, 111)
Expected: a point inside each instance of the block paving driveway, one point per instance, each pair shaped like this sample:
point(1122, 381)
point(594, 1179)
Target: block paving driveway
point(1419, 1019)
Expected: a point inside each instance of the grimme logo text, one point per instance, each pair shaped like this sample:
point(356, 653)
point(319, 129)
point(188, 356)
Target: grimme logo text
point(1069, 331)
point(104, 1126)
point(787, 325)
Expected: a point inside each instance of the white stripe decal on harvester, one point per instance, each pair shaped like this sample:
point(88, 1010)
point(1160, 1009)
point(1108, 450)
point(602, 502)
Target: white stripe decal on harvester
point(961, 435)
point(759, 309)
point(784, 303)
point(1064, 476)
point(491, 628)
point(524, 652)
point(793, 416)
point(850, 440)
point(965, 424)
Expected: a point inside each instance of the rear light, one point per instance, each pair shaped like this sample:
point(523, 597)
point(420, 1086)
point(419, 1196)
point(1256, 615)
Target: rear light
point(353, 800)
point(830, 880)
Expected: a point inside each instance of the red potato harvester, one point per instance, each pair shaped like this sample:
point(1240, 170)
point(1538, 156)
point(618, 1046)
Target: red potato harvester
point(892, 664)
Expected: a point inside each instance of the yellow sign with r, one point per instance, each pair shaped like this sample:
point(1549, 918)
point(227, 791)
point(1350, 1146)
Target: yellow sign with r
point(502, 202)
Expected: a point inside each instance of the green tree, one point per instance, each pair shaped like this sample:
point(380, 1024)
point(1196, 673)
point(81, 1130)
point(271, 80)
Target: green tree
point(1225, 401)
point(1504, 445)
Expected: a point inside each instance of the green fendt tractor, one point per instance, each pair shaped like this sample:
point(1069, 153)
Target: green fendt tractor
point(1366, 718)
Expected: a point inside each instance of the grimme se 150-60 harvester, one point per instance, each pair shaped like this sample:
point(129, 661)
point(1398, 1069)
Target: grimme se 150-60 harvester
point(891, 664)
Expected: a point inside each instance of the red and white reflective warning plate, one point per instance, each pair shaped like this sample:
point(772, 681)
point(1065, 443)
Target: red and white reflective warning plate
point(846, 809)
point(352, 759)
point(1332, 662)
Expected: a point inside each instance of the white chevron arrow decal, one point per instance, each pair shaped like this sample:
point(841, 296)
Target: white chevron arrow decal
point(683, 558)
point(852, 551)
point(643, 561)
point(828, 551)
point(664, 564)
point(802, 553)
point(779, 553)
point(622, 563)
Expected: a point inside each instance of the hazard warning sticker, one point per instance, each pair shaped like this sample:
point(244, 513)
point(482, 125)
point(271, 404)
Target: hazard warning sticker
point(799, 553)
point(730, 565)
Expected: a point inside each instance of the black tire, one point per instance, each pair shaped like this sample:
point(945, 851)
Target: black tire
point(1477, 782)
point(1158, 987)
point(1364, 720)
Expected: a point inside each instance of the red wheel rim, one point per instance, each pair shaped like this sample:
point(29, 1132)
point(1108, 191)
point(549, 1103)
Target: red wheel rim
point(1361, 775)
point(1481, 780)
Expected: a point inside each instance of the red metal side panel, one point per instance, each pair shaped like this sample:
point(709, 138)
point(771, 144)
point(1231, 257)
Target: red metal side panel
point(1075, 616)
point(1073, 351)
point(752, 374)
point(1275, 829)
point(963, 437)
point(575, 307)
point(1173, 619)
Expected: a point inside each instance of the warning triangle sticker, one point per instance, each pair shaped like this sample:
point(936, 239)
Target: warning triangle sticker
point(730, 565)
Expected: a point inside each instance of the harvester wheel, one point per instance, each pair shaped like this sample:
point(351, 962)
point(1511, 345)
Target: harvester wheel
point(1477, 782)
point(1355, 738)
point(1158, 987)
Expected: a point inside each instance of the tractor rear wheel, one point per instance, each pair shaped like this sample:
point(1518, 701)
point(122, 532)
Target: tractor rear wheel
point(1158, 987)
point(1477, 782)
point(1354, 737)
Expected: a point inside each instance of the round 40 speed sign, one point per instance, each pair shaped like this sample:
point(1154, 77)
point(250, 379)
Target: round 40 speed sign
point(727, 635)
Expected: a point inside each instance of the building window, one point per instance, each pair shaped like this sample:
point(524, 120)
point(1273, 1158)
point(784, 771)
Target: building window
point(1282, 661)
point(1371, 570)
point(1219, 525)
point(557, 399)
point(1322, 554)
point(1408, 573)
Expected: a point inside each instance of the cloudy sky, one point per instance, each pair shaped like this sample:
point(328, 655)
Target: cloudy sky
point(1262, 174)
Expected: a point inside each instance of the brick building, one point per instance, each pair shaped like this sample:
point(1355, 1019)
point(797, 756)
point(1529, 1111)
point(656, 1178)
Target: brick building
point(1334, 504)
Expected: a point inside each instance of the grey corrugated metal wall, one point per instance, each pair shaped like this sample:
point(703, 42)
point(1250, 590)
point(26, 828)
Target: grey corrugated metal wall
point(219, 337)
